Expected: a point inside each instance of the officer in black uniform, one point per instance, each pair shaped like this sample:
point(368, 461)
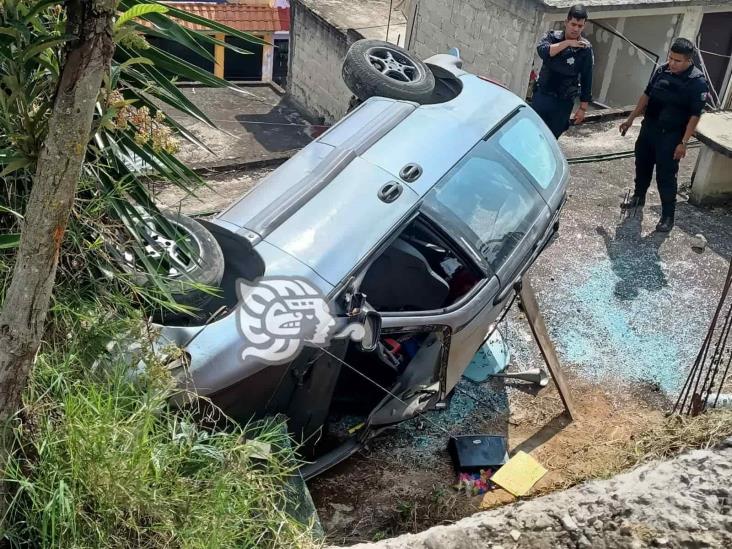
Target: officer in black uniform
point(566, 59)
point(672, 102)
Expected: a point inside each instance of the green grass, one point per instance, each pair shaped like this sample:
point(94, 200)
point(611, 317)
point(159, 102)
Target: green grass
point(103, 461)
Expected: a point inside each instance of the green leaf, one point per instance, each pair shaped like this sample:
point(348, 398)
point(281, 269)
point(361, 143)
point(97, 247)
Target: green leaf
point(35, 49)
point(3, 209)
point(14, 165)
point(136, 61)
point(181, 35)
point(174, 65)
point(37, 8)
point(118, 69)
point(160, 86)
point(163, 163)
point(211, 39)
point(138, 11)
point(10, 240)
point(50, 66)
point(7, 31)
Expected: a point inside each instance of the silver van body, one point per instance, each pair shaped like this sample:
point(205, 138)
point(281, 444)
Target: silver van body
point(470, 189)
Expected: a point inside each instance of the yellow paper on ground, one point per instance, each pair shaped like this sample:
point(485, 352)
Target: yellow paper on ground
point(519, 474)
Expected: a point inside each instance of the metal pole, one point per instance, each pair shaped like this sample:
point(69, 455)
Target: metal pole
point(388, 21)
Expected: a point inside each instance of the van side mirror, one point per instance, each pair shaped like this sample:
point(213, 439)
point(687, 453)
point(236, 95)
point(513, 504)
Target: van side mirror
point(372, 331)
point(455, 52)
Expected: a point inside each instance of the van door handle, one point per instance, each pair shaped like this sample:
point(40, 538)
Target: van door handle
point(411, 172)
point(390, 192)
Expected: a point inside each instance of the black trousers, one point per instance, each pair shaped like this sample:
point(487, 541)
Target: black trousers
point(655, 148)
point(553, 111)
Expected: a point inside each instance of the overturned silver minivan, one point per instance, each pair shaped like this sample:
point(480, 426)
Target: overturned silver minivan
point(361, 276)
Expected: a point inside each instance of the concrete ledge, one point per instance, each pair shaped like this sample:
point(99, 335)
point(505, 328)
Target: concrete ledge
point(604, 115)
point(711, 184)
point(215, 168)
point(715, 131)
point(712, 180)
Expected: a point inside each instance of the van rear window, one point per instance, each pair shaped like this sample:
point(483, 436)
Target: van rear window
point(525, 141)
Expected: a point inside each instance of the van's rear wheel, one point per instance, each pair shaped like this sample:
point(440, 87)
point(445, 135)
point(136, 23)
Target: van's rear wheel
point(196, 259)
point(377, 68)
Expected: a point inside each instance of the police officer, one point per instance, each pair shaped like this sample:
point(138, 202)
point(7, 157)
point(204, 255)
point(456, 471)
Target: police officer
point(566, 72)
point(672, 103)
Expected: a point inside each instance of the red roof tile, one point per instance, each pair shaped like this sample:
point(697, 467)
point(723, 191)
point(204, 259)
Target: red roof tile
point(240, 17)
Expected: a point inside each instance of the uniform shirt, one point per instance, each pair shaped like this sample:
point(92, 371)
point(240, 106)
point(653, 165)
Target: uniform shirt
point(674, 98)
point(560, 74)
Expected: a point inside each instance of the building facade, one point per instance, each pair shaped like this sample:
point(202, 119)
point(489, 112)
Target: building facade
point(497, 38)
point(268, 20)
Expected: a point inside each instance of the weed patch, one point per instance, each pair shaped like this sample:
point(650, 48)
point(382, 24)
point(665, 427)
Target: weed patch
point(103, 461)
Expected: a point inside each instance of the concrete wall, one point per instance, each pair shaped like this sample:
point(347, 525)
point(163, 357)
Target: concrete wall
point(496, 37)
point(317, 51)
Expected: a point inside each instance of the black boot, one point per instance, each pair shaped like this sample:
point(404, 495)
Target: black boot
point(666, 223)
point(634, 202)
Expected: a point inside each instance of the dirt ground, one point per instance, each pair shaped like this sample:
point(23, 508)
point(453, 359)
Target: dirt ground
point(393, 487)
point(222, 190)
point(679, 503)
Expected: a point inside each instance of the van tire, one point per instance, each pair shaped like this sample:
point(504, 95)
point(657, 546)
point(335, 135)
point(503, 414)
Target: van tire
point(210, 269)
point(207, 269)
point(374, 68)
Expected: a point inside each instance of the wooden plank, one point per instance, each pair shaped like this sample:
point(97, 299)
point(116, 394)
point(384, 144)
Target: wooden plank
point(538, 328)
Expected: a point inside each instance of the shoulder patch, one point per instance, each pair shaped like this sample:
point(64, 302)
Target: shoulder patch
point(696, 74)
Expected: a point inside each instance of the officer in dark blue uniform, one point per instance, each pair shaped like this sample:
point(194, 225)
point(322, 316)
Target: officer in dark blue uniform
point(672, 104)
point(566, 72)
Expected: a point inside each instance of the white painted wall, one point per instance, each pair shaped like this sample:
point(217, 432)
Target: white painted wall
point(622, 70)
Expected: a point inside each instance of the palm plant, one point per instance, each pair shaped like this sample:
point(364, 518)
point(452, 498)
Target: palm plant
point(133, 142)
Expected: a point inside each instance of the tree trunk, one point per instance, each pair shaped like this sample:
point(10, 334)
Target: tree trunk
point(54, 188)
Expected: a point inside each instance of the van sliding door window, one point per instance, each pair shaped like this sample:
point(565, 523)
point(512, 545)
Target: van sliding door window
point(491, 196)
